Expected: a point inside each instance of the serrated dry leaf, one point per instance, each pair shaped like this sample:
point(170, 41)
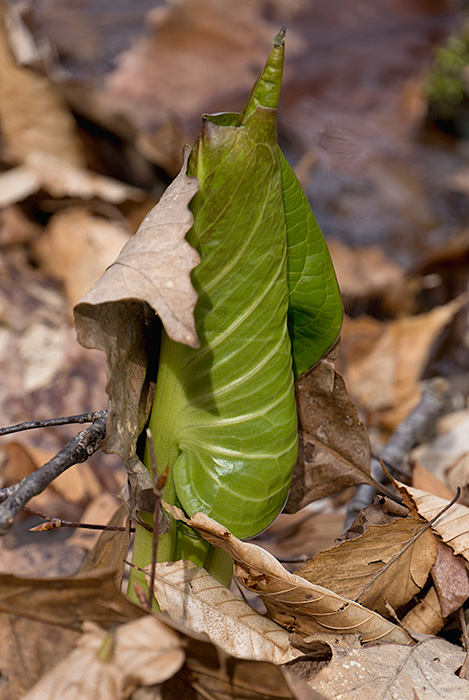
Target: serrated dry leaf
point(152, 272)
point(453, 526)
point(105, 665)
point(425, 617)
point(33, 115)
point(67, 601)
point(155, 264)
point(291, 601)
point(451, 580)
point(334, 449)
point(190, 595)
point(387, 564)
point(77, 247)
point(391, 672)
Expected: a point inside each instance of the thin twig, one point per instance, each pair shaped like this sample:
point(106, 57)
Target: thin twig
point(78, 450)
point(52, 523)
point(413, 430)
point(52, 422)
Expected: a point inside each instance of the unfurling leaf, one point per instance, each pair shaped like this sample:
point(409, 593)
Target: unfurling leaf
point(224, 416)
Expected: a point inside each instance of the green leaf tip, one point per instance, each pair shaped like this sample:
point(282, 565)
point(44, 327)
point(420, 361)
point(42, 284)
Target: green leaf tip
point(266, 91)
point(280, 37)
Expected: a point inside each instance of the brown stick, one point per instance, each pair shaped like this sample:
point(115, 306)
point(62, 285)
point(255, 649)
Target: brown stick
point(79, 449)
point(52, 422)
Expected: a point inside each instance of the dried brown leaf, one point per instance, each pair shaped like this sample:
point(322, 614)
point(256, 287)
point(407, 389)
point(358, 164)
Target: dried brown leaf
point(378, 513)
point(425, 617)
point(363, 272)
point(190, 595)
point(387, 672)
point(67, 601)
point(453, 526)
point(152, 272)
point(383, 372)
point(290, 600)
point(106, 665)
point(425, 480)
point(155, 265)
point(76, 248)
point(209, 675)
point(111, 548)
point(334, 450)
point(451, 580)
point(387, 564)
point(61, 179)
point(33, 115)
point(28, 650)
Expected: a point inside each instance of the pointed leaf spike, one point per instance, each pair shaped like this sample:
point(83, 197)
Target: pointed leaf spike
point(266, 91)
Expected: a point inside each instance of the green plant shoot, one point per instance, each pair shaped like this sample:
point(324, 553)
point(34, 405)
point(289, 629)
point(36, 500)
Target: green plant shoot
point(224, 418)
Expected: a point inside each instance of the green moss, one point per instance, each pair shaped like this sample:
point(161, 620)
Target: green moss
point(445, 87)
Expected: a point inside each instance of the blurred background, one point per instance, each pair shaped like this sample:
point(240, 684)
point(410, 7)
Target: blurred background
point(97, 99)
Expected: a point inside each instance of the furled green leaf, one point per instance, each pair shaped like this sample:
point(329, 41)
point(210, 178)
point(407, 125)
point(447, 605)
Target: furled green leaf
point(315, 306)
point(224, 416)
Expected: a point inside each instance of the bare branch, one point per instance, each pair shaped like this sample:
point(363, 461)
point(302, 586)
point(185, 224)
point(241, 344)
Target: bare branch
point(78, 450)
point(51, 422)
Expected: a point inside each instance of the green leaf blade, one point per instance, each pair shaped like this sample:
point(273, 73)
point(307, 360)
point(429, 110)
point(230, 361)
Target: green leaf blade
point(224, 415)
point(315, 312)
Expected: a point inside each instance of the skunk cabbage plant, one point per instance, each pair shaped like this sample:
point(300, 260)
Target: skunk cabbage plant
point(224, 421)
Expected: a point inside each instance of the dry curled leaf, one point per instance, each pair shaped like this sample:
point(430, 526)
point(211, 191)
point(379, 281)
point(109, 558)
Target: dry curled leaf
point(33, 115)
point(61, 179)
point(387, 564)
point(334, 448)
point(451, 579)
point(105, 665)
point(67, 601)
point(151, 275)
point(155, 265)
point(425, 617)
point(190, 595)
point(77, 247)
point(208, 674)
point(291, 601)
point(384, 362)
